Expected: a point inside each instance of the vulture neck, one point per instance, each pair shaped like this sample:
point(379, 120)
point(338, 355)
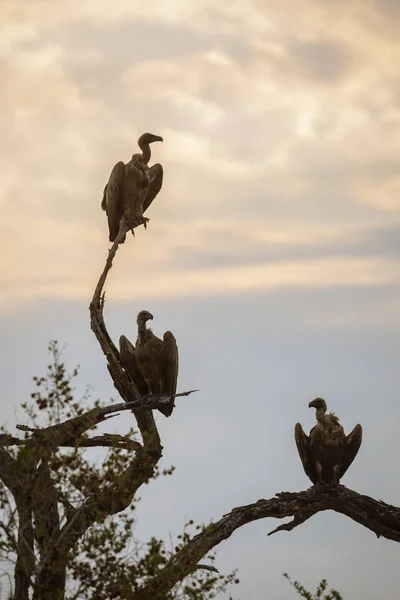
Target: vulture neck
point(145, 148)
point(320, 415)
point(142, 330)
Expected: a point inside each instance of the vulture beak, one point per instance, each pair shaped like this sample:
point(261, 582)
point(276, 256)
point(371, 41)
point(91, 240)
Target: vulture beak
point(150, 316)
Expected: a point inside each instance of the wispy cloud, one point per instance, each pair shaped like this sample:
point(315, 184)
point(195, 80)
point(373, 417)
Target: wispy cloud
point(278, 135)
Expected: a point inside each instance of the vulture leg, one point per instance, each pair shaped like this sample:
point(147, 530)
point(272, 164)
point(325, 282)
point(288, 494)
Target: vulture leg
point(142, 221)
point(139, 221)
point(336, 475)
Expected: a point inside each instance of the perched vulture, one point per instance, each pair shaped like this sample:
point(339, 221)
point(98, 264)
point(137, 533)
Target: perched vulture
point(327, 452)
point(131, 188)
point(154, 362)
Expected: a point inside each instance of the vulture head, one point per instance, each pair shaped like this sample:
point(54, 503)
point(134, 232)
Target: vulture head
point(143, 316)
point(148, 138)
point(144, 144)
point(318, 404)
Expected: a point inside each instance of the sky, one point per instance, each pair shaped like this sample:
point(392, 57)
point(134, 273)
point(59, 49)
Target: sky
point(272, 251)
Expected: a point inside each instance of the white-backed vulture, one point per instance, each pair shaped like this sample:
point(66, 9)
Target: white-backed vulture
point(132, 187)
point(154, 361)
point(327, 452)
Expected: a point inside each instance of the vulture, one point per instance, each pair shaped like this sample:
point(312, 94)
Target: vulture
point(131, 188)
point(154, 363)
point(327, 452)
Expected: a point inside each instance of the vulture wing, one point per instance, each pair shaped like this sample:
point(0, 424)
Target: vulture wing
point(352, 446)
point(303, 447)
point(171, 368)
point(156, 179)
point(128, 360)
point(113, 199)
point(150, 361)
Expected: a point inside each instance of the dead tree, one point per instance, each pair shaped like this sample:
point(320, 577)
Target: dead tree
point(37, 500)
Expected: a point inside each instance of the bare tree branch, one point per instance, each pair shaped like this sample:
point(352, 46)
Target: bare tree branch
point(118, 495)
point(8, 440)
point(207, 568)
point(115, 498)
point(28, 479)
point(110, 440)
point(68, 432)
point(35, 493)
point(381, 518)
point(125, 385)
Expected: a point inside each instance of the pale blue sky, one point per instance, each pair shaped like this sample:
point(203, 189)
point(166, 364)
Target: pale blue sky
point(272, 252)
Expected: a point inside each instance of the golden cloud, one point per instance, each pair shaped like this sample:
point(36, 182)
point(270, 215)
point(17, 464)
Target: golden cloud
point(384, 195)
point(276, 136)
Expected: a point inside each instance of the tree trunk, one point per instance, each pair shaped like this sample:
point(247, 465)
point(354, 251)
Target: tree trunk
point(25, 557)
point(50, 584)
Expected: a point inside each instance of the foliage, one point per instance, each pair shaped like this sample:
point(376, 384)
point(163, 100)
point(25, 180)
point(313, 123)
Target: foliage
point(108, 562)
point(331, 595)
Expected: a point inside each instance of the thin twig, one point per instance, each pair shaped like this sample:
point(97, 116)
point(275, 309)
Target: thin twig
point(207, 568)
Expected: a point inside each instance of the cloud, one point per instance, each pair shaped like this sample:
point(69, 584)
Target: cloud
point(278, 154)
point(384, 195)
point(322, 61)
point(178, 264)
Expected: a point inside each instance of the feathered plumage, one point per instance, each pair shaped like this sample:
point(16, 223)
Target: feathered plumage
point(327, 452)
point(154, 363)
point(132, 187)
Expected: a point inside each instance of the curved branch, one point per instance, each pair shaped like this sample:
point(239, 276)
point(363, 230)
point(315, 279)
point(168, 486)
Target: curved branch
point(381, 518)
point(118, 495)
point(115, 498)
point(125, 385)
point(110, 440)
point(107, 440)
